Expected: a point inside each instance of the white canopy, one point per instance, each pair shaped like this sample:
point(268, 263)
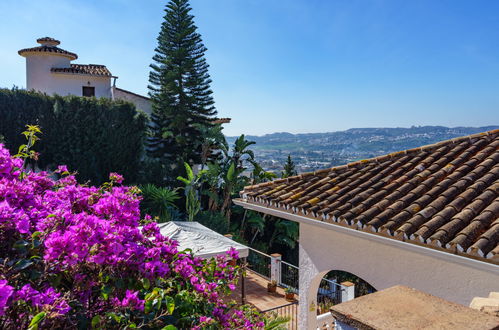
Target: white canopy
point(203, 241)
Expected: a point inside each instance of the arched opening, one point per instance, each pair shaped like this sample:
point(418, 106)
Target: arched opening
point(331, 292)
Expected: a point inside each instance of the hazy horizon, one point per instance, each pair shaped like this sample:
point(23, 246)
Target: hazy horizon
point(353, 128)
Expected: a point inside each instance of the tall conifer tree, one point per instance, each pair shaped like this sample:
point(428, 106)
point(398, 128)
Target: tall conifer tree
point(180, 91)
point(289, 168)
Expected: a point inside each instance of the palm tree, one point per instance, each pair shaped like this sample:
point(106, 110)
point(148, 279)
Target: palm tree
point(213, 144)
point(240, 150)
point(285, 233)
point(192, 182)
point(212, 185)
point(158, 201)
point(231, 180)
point(259, 174)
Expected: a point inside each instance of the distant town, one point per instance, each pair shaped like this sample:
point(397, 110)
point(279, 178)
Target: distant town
point(314, 151)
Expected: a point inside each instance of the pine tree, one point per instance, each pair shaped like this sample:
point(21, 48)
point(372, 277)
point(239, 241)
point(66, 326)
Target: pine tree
point(289, 168)
point(180, 91)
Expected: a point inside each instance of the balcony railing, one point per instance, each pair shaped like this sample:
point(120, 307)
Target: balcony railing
point(288, 311)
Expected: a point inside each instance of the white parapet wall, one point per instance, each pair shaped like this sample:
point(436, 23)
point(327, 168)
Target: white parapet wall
point(385, 263)
point(141, 102)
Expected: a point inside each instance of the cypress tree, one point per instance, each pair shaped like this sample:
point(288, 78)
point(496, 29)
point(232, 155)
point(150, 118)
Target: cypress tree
point(180, 91)
point(289, 168)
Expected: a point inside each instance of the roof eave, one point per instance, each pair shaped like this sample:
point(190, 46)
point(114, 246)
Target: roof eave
point(23, 53)
point(83, 74)
point(481, 263)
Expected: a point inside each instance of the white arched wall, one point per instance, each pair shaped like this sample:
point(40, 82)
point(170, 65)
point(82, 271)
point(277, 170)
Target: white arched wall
point(383, 264)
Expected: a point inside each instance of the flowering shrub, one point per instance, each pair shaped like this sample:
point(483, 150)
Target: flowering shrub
point(74, 256)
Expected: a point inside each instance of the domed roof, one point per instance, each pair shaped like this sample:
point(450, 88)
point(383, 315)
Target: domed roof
point(48, 45)
point(47, 41)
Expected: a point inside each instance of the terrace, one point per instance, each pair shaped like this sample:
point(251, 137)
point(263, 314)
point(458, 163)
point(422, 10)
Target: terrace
point(263, 269)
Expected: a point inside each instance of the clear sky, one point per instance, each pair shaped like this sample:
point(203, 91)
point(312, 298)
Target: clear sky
point(293, 65)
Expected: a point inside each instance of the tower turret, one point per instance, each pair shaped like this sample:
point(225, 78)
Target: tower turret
point(41, 59)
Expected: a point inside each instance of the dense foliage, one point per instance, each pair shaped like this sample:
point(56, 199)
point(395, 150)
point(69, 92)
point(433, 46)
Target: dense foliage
point(74, 256)
point(83, 133)
point(180, 92)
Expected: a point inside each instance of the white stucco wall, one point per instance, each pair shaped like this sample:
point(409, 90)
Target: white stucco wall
point(382, 262)
point(383, 265)
point(141, 103)
point(39, 77)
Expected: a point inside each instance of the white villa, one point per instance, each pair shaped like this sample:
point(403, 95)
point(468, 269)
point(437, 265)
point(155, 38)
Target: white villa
point(49, 70)
point(425, 218)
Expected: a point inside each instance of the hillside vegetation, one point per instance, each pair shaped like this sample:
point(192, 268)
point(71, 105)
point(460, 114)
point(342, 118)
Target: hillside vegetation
point(321, 150)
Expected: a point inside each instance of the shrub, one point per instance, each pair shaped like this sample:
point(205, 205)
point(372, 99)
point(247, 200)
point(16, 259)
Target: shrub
point(214, 220)
point(74, 256)
point(83, 133)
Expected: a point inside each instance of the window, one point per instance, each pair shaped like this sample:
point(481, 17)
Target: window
point(88, 91)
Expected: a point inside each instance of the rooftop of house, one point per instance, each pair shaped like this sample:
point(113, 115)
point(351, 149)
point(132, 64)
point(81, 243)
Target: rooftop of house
point(48, 45)
point(400, 307)
point(224, 120)
point(443, 196)
point(86, 69)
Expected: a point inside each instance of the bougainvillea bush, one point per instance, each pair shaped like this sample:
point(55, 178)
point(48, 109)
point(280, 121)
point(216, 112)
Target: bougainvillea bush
point(76, 256)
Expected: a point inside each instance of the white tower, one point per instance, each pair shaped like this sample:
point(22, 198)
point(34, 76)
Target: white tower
point(39, 62)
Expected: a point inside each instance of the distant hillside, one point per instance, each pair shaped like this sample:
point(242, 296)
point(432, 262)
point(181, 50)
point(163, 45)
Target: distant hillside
point(320, 150)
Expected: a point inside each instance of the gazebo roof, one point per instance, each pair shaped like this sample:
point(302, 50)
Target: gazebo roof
point(443, 196)
point(203, 242)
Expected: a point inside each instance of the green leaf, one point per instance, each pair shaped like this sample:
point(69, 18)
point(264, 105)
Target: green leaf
point(170, 304)
point(148, 306)
point(36, 320)
point(115, 317)
point(184, 180)
point(230, 172)
point(190, 174)
point(169, 327)
point(146, 283)
point(20, 245)
point(23, 264)
point(95, 321)
point(105, 291)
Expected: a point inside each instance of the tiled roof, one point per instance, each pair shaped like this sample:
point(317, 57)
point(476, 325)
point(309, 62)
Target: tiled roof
point(48, 49)
point(443, 196)
point(224, 120)
point(48, 40)
point(91, 69)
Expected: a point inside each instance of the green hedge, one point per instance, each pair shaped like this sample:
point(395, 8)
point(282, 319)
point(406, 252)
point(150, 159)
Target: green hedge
point(93, 136)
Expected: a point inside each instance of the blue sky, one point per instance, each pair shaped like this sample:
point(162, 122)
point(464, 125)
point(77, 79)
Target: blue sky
point(293, 65)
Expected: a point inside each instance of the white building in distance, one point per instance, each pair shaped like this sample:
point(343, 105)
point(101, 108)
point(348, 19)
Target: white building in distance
point(49, 70)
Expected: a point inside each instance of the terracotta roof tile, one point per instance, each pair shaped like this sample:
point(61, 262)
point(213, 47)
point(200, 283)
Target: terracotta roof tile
point(48, 49)
point(88, 69)
point(48, 40)
point(444, 195)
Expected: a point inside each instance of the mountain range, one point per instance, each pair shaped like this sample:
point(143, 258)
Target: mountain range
point(311, 151)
